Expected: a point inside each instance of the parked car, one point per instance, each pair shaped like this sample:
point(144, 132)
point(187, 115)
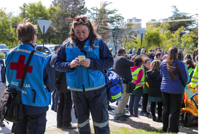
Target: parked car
point(48, 48)
point(3, 48)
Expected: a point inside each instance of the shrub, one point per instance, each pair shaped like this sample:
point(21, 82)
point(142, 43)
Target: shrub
point(2, 55)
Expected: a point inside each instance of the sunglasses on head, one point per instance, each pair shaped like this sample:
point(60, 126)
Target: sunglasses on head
point(84, 18)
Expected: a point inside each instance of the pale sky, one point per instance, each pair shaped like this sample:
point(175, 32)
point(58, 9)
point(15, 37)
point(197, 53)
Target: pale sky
point(141, 9)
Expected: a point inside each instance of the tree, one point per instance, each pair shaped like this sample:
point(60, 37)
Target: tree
point(103, 17)
point(34, 12)
point(7, 33)
point(152, 37)
point(129, 34)
point(63, 14)
point(117, 27)
point(176, 38)
point(187, 43)
point(177, 15)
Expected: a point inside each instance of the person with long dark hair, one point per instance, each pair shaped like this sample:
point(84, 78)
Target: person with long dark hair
point(174, 79)
point(82, 56)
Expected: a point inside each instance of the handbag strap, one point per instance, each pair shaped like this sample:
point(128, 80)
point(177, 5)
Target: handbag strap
point(25, 70)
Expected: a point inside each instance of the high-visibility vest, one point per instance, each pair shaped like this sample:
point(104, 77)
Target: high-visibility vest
point(190, 71)
point(135, 76)
point(194, 79)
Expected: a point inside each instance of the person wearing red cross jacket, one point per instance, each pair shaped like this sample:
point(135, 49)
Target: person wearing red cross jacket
point(39, 80)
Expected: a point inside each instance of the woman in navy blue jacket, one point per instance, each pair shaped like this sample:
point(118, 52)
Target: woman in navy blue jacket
point(82, 57)
point(174, 79)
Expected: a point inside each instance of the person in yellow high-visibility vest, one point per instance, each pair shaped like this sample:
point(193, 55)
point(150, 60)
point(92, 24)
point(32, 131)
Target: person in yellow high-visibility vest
point(138, 80)
point(194, 80)
point(190, 67)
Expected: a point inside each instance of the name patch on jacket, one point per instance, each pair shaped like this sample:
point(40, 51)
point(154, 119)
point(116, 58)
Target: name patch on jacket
point(17, 84)
point(90, 48)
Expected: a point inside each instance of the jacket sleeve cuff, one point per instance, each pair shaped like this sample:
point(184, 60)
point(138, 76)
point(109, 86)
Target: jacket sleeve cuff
point(91, 66)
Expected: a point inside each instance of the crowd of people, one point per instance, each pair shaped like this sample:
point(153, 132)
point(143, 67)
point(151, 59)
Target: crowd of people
point(159, 78)
point(74, 73)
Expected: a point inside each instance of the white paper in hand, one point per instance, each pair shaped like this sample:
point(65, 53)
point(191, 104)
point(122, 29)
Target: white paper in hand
point(80, 58)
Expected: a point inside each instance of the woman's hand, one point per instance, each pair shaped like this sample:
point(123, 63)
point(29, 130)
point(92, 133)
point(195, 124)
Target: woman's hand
point(74, 63)
point(85, 63)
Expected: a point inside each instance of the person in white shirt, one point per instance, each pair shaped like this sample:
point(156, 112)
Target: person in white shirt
point(143, 51)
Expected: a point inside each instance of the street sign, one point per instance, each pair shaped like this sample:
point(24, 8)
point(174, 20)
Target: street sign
point(142, 32)
point(44, 25)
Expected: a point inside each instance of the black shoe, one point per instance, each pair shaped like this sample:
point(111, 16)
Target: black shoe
point(68, 127)
point(59, 126)
point(126, 106)
point(121, 118)
point(154, 118)
point(127, 116)
point(159, 119)
point(164, 130)
point(110, 108)
point(145, 114)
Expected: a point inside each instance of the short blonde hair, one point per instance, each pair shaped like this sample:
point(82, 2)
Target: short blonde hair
point(155, 65)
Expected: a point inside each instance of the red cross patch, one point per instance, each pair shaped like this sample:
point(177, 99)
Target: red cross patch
point(90, 48)
point(20, 66)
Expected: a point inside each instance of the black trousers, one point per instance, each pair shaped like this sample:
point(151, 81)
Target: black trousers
point(153, 107)
point(31, 124)
point(64, 109)
point(54, 100)
point(171, 111)
point(144, 102)
point(94, 102)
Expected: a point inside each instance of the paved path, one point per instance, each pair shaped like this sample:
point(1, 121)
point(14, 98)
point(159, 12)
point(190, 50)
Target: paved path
point(132, 123)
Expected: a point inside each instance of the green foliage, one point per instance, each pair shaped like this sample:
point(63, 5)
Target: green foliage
point(7, 33)
point(187, 43)
point(103, 17)
point(2, 55)
point(129, 35)
point(153, 37)
point(177, 15)
point(62, 13)
point(109, 24)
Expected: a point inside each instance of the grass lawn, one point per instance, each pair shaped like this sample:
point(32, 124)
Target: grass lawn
point(139, 131)
point(123, 130)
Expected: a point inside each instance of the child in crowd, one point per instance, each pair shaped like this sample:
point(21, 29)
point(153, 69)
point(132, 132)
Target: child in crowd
point(154, 79)
point(138, 79)
point(190, 67)
point(146, 67)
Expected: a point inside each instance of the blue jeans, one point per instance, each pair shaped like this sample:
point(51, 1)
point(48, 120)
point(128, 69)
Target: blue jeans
point(133, 103)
